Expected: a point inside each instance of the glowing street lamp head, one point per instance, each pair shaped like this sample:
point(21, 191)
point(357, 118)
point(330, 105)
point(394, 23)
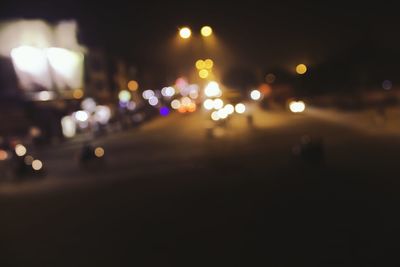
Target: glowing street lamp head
point(200, 64)
point(209, 63)
point(203, 73)
point(206, 31)
point(301, 69)
point(185, 33)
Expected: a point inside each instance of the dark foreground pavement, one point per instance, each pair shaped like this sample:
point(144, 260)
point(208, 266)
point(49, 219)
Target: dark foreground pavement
point(241, 203)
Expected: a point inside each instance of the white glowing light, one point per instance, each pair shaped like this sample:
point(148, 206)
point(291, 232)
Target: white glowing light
point(153, 101)
point(147, 94)
point(131, 105)
point(218, 103)
point(88, 105)
point(193, 94)
point(297, 106)
point(168, 91)
point(215, 116)
point(30, 43)
point(255, 95)
point(212, 90)
point(29, 59)
point(68, 126)
point(44, 96)
point(124, 96)
point(20, 150)
point(185, 32)
point(222, 113)
point(67, 67)
point(175, 104)
point(229, 109)
point(37, 165)
point(102, 114)
point(240, 108)
point(81, 116)
point(208, 104)
point(186, 101)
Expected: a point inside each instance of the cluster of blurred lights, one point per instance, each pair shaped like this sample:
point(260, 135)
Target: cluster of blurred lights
point(226, 111)
point(90, 113)
point(185, 104)
point(185, 32)
point(147, 94)
point(21, 151)
point(297, 106)
point(204, 67)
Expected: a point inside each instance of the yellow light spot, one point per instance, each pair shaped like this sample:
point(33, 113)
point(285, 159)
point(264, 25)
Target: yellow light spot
point(301, 69)
point(203, 73)
point(206, 31)
point(200, 64)
point(37, 165)
point(191, 107)
point(208, 64)
point(99, 152)
point(133, 85)
point(77, 94)
point(185, 32)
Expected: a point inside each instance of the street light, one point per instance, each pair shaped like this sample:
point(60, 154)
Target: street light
point(206, 31)
point(185, 33)
point(301, 69)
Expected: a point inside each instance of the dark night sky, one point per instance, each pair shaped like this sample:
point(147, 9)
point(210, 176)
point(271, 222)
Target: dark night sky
point(258, 33)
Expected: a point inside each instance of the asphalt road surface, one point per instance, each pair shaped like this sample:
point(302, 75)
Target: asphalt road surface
point(167, 194)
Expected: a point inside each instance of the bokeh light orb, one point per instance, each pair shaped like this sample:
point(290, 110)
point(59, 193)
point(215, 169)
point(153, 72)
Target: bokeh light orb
point(164, 111)
point(133, 85)
point(240, 108)
point(208, 104)
point(185, 33)
point(255, 94)
point(20, 150)
point(203, 73)
point(301, 69)
point(206, 31)
point(99, 152)
point(37, 165)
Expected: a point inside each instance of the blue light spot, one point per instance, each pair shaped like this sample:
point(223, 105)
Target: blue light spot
point(164, 111)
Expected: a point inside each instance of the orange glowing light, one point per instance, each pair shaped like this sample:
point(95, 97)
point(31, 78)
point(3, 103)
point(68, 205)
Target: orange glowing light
point(133, 85)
